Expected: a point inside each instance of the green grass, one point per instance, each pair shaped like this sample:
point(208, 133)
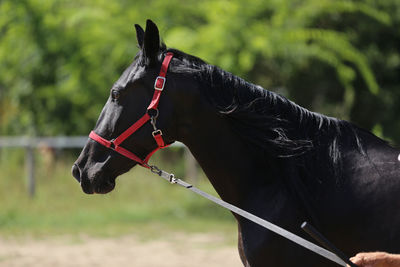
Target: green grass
point(142, 203)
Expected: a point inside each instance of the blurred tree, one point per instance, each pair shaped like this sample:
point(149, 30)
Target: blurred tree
point(59, 58)
point(273, 43)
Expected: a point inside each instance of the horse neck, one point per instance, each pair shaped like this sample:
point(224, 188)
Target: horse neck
point(235, 169)
point(231, 166)
point(224, 159)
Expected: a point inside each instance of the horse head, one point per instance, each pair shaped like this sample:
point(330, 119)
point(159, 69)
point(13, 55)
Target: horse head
point(136, 120)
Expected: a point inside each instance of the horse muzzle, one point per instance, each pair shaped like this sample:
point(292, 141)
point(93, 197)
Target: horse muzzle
point(76, 172)
point(98, 184)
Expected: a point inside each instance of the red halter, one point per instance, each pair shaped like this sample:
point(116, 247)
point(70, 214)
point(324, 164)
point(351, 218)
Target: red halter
point(157, 134)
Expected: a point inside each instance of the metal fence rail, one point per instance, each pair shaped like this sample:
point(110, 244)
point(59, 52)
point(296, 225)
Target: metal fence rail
point(66, 142)
point(53, 142)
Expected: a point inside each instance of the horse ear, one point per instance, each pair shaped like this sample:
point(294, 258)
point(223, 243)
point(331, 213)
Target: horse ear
point(139, 35)
point(151, 42)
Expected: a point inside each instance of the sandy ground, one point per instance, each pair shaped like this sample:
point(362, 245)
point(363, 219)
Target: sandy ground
point(193, 250)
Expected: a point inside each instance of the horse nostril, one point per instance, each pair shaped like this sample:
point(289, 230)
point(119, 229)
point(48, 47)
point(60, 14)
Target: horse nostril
point(76, 172)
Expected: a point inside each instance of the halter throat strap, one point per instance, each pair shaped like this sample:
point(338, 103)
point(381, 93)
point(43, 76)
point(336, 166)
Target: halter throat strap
point(150, 115)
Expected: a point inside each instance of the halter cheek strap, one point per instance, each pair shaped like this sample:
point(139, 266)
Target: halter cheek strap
point(157, 133)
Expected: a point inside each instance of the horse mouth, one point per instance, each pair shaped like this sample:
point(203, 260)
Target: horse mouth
point(92, 187)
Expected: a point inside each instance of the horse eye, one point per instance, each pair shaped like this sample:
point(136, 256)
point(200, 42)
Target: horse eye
point(114, 94)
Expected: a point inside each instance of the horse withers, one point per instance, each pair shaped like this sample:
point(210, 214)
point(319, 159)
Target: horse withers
point(261, 152)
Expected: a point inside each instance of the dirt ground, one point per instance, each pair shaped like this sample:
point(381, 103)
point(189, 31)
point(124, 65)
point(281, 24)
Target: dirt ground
point(192, 250)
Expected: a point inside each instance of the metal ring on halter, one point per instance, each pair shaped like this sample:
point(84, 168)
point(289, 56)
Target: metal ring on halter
point(149, 111)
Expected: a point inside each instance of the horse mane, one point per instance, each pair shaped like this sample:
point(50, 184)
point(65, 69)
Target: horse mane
point(269, 122)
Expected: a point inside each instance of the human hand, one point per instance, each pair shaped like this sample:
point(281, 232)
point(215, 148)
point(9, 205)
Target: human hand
point(376, 259)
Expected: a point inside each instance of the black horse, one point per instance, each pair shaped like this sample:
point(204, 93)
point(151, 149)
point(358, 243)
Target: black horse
point(260, 151)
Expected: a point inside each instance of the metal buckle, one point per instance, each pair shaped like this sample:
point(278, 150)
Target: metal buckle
point(172, 178)
point(156, 132)
point(162, 81)
point(155, 169)
point(112, 145)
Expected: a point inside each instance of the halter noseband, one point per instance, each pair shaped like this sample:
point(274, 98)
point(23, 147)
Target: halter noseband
point(149, 116)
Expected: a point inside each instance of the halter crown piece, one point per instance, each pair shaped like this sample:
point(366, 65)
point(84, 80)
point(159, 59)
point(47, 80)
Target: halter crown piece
point(150, 115)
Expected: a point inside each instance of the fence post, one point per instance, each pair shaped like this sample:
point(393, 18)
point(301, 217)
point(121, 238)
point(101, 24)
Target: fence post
point(190, 166)
point(30, 169)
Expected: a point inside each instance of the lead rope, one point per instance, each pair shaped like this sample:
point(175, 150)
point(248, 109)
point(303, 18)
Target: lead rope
point(170, 177)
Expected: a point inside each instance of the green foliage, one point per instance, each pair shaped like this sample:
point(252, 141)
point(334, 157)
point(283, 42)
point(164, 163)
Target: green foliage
point(59, 58)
